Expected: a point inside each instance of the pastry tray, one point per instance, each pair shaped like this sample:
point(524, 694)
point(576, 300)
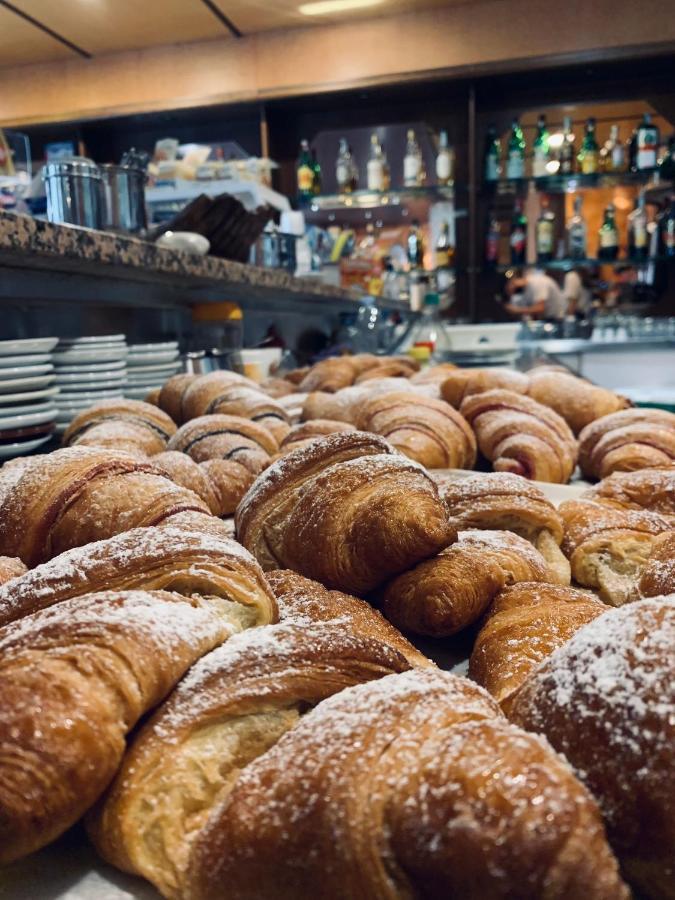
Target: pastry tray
point(70, 869)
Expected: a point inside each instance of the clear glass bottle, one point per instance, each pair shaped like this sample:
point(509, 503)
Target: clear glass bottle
point(668, 231)
point(518, 238)
point(589, 153)
point(638, 236)
point(415, 246)
point(608, 236)
point(612, 155)
point(431, 331)
point(566, 153)
point(647, 144)
point(492, 166)
point(515, 155)
point(386, 171)
point(444, 251)
point(375, 167)
point(541, 149)
point(412, 162)
point(577, 232)
point(443, 161)
point(343, 168)
point(545, 233)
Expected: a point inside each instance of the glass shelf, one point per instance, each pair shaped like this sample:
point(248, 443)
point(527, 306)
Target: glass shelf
point(377, 199)
point(568, 184)
point(566, 264)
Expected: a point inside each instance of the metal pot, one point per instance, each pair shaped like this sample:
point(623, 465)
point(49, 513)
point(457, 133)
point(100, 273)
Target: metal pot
point(74, 192)
point(124, 189)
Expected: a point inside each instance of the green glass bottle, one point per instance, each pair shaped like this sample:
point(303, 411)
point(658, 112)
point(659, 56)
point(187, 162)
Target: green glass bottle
point(541, 149)
point(515, 154)
point(305, 173)
point(518, 237)
point(589, 154)
point(608, 236)
point(493, 154)
point(316, 173)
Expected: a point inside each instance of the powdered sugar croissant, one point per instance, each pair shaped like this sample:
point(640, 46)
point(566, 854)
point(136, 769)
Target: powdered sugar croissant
point(626, 441)
point(121, 425)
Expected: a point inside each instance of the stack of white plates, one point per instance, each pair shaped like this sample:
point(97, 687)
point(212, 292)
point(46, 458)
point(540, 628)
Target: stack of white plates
point(149, 366)
point(88, 369)
point(27, 391)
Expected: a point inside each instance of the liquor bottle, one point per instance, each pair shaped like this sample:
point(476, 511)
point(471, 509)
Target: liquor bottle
point(638, 237)
point(589, 155)
point(515, 154)
point(518, 238)
point(668, 231)
point(445, 252)
point(608, 236)
point(343, 168)
point(444, 161)
point(386, 171)
point(316, 172)
point(566, 153)
point(576, 232)
point(631, 152)
point(415, 246)
point(492, 238)
point(667, 163)
point(612, 156)
point(375, 167)
point(647, 144)
point(305, 173)
point(542, 153)
point(545, 233)
point(412, 162)
point(431, 331)
point(492, 167)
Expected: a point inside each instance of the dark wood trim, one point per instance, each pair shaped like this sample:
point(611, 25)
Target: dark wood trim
point(45, 29)
point(222, 18)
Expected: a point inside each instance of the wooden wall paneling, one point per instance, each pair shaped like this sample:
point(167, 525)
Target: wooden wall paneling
point(21, 43)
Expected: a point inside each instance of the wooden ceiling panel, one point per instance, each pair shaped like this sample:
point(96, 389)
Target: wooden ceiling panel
point(21, 43)
point(107, 26)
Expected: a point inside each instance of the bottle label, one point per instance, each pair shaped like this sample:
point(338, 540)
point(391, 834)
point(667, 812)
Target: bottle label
point(518, 239)
point(515, 165)
point(492, 247)
point(589, 163)
point(491, 168)
point(442, 259)
point(545, 237)
point(375, 171)
point(647, 141)
point(411, 169)
point(305, 178)
point(640, 236)
point(669, 234)
point(539, 163)
point(608, 237)
point(343, 173)
point(617, 158)
point(443, 169)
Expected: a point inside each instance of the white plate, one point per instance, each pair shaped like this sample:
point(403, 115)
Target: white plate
point(161, 345)
point(25, 419)
point(7, 399)
point(14, 410)
point(95, 339)
point(7, 451)
point(90, 367)
point(25, 371)
point(25, 384)
point(30, 359)
point(91, 378)
point(88, 387)
point(90, 396)
point(99, 354)
point(139, 359)
point(140, 393)
point(159, 368)
point(156, 377)
point(28, 345)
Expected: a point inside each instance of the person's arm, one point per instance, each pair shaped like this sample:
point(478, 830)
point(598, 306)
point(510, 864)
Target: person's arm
point(572, 291)
point(536, 309)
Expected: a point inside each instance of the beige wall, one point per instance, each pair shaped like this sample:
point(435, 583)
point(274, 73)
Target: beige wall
point(476, 34)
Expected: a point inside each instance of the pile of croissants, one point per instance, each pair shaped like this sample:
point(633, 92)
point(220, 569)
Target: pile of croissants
point(240, 708)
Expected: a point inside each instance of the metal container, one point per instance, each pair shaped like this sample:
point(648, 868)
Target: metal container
point(74, 192)
point(124, 190)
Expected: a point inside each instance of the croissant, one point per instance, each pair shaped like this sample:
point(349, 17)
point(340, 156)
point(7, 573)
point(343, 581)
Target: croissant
point(301, 600)
point(657, 577)
point(428, 431)
point(295, 376)
point(121, 425)
point(626, 441)
point(238, 400)
point(277, 387)
point(330, 375)
point(435, 375)
point(608, 547)
point(650, 489)
point(226, 437)
point(186, 562)
point(463, 383)
point(305, 432)
point(523, 626)
point(344, 405)
point(205, 389)
point(502, 501)
point(234, 704)
point(153, 396)
point(391, 368)
point(444, 595)
point(346, 510)
point(170, 398)
point(411, 786)
point(606, 699)
point(578, 401)
point(221, 483)
point(74, 680)
point(10, 567)
point(76, 495)
point(519, 435)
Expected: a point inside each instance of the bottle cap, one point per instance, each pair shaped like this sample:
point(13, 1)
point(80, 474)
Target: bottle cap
point(431, 299)
point(420, 352)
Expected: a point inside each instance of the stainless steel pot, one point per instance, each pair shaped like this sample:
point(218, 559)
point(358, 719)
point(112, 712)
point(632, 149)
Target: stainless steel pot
point(124, 189)
point(74, 192)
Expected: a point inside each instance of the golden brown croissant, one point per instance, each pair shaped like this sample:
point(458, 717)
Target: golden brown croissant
point(221, 483)
point(330, 375)
point(232, 706)
point(344, 405)
point(464, 382)
point(346, 510)
point(578, 401)
point(524, 625)
point(74, 680)
point(76, 495)
point(301, 601)
point(657, 577)
point(295, 376)
point(428, 431)
point(651, 489)
point(434, 374)
point(241, 400)
point(121, 425)
point(277, 387)
point(451, 591)
point(226, 437)
point(411, 786)
point(519, 435)
point(293, 404)
point(626, 441)
point(153, 396)
point(171, 395)
point(608, 547)
point(503, 501)
point(606, 699)
point(305, 432)
point(388, 368)
point(202, 391)
point(10, 567)
point(185, 562)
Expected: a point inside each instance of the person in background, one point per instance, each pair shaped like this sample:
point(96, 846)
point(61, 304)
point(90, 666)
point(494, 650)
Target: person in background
point(578, 293)
point(535, 295)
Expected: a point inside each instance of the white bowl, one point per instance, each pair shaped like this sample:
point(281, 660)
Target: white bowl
point(185, 242)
